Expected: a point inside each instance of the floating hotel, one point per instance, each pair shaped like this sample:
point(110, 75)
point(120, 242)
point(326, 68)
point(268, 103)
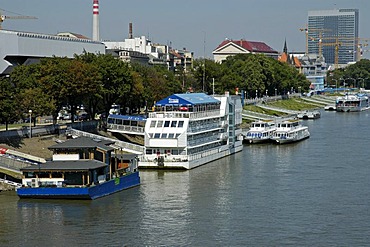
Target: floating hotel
point(189, 130)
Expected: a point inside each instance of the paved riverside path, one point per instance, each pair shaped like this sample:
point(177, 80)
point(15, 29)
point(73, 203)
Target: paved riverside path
point(320, 100)
point(251, 115)
point(274, 108)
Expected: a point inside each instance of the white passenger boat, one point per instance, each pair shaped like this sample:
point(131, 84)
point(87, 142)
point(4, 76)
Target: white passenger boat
point(189, 130)
point(352, 102)
point(260, 131)
point(309, 114)
point(290, 131)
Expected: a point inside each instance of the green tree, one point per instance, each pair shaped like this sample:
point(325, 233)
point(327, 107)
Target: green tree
point(8, 104)
point(30, 94)
point(114, 77)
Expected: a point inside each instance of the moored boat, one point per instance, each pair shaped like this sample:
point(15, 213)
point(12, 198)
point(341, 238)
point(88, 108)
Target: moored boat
point(309, 114)
point(290, 131)
point(260, 131)
point(82, 168)
point(352, 102)
point(188, 130)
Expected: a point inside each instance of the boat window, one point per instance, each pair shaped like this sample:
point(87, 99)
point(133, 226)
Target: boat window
point(151, 135)
point(29, 175)
point(149, 151)
point(164, 135)
point(119, 121)
point(171, 135)
point(157, 135)
point(110, 120)
point(167, 124)
point(177, 135)
point(152, 124)
point(173, 123)
point(160, 124)
point(174, 152)
point(181, 124)
point(56, 175)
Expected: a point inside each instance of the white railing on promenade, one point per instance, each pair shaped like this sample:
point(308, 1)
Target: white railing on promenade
point(13, 164)
point(10, 183)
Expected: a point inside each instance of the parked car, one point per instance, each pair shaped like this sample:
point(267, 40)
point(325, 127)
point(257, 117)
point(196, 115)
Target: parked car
point(83, 117)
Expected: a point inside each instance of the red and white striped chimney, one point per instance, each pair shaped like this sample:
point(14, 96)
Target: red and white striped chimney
point(95, 20)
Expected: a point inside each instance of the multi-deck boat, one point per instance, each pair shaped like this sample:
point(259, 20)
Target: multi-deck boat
point(290, 131)
point(189, 130)
point(352, 102)
point(260, 131)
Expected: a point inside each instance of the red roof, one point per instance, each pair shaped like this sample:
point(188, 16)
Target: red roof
point(252, 46)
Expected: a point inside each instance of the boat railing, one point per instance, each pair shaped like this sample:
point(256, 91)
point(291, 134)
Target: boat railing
point(126, 128)
point(179, 114)
point(180, 158)
point(172, 158)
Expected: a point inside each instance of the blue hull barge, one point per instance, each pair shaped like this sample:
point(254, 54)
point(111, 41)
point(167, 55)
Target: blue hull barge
point(89, 193)
point(81, 168)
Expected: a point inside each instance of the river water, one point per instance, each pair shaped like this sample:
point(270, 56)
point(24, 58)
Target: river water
point(311, 193)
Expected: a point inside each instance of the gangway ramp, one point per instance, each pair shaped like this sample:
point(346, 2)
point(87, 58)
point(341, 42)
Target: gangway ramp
point(121, 145)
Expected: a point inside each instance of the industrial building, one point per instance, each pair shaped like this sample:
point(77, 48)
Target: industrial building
point(19, 48)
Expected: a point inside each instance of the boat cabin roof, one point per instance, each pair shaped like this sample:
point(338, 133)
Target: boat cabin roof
point(75, 165)
point(84, 142)
point(188, 99)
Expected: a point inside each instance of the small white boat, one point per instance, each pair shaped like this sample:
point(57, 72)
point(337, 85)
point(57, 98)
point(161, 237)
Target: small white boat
point(260, 131)
point(309, 114)
point(290, 131)
point(330, 108)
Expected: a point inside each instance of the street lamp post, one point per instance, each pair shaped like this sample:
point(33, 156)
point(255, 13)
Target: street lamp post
point(360, 81)
point(275, 92)
point(336, 84)
point(256, 94)
point(30, 112)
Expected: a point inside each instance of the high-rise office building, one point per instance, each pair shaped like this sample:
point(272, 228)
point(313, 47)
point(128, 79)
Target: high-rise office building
point(334, 35)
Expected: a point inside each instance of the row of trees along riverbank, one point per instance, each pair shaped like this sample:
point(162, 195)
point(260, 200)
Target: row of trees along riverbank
point(98, 81)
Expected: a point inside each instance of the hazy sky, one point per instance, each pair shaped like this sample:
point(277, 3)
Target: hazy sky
point(197, 25)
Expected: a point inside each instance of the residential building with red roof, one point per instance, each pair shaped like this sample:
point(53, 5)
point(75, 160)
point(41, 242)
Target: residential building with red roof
point(233, 47)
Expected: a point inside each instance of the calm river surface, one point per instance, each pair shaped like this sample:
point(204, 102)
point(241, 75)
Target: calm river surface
point(312, 193)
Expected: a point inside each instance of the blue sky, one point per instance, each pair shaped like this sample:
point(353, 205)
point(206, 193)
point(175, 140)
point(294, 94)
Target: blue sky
point(197, 25)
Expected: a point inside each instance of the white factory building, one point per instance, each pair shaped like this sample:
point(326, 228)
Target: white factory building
point(25, 48)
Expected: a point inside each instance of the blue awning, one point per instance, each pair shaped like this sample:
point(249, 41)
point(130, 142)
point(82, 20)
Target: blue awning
point(187, 99)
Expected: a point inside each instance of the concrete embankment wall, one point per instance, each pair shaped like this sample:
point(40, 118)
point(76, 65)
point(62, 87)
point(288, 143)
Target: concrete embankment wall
point(43, 130)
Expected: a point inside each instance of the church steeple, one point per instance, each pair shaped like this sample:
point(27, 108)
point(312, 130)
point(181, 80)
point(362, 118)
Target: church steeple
point(285, 49)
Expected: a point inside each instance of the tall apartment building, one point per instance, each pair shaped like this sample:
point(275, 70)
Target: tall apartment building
point(334, 35)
